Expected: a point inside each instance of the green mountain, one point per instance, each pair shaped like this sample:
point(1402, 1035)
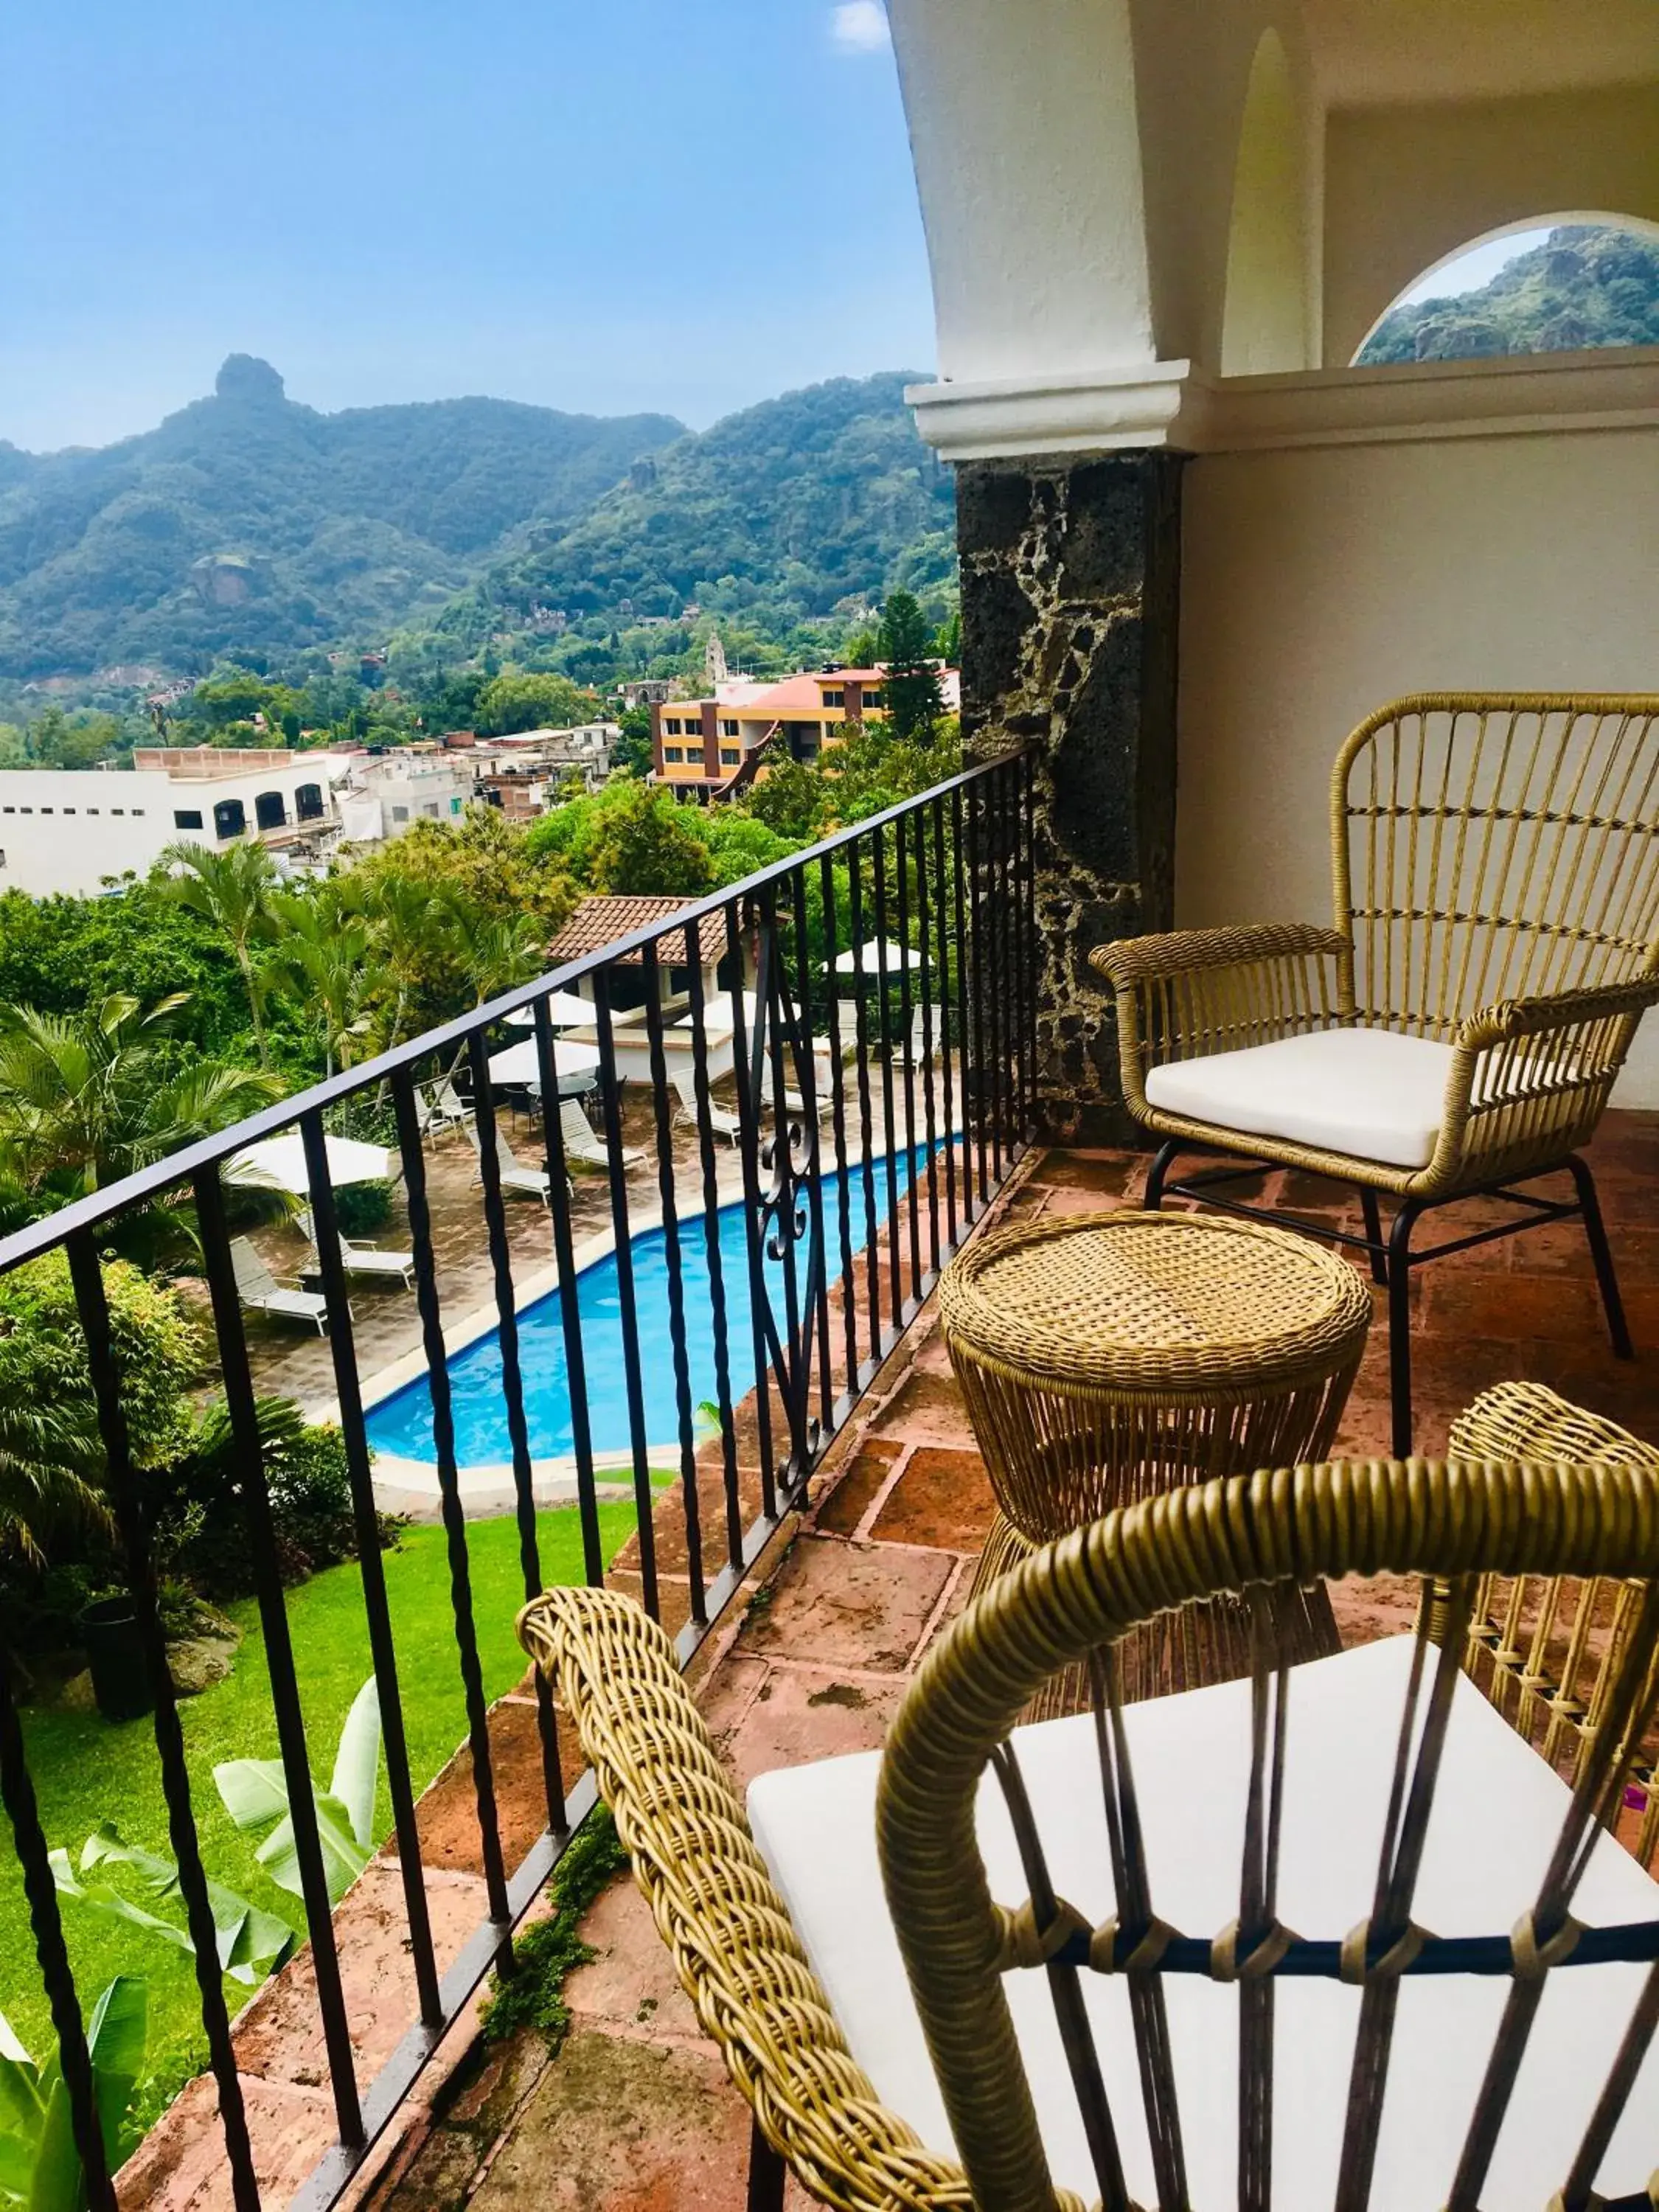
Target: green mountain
point(248, 526)
point(1589, 284)
point(785, 509)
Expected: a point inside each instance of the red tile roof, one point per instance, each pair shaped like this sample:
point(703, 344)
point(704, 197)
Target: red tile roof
point(600, 922)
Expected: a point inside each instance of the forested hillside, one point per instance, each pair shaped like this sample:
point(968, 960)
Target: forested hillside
point(778, 513)
point(247, 525)
point(1589, 284)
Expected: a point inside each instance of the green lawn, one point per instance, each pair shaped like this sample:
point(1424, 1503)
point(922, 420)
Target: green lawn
point(86, 1769)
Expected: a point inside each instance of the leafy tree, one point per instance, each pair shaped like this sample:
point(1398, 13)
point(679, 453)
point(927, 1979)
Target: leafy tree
point(518, 701)
point(741, 845)
point(63, 954)
point(87, 1099)
point(232, 889)
point(50, 1460)
point(904, 648)
point(645, 844)
point(634, 751)
point(158, 1347)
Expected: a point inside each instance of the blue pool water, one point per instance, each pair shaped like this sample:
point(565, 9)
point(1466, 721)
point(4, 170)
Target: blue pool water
point(403, 1424)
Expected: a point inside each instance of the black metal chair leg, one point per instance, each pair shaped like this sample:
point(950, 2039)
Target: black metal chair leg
point(1601, 1257)
point(1400, 1327)
point(1373, 1213)
point(767, 2172)
point(1156, 1175)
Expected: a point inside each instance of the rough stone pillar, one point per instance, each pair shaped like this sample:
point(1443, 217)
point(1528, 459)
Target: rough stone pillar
point(1070, 596)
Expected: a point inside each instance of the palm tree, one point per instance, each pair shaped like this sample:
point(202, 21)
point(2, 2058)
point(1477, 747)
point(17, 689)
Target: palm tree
point(50, 1463)
point(88, 1098)
point(232, 889)
point(322, 954)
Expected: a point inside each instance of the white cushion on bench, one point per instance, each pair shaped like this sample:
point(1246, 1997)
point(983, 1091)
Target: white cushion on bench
point(1497, 1812)
point(1366, 1092)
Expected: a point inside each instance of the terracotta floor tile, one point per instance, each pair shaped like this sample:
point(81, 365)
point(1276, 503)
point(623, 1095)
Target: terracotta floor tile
point(943, 1497)
point(846, 1505)
point(839, 1605)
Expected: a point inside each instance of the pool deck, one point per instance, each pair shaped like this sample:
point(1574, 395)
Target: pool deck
point(636, 2114)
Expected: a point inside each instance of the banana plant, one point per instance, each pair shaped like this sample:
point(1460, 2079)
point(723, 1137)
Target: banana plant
point(39, 2166)
point(250, 1943)
point(254, 1792)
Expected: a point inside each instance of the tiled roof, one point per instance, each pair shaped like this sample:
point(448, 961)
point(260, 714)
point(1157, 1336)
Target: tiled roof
point(598, 923)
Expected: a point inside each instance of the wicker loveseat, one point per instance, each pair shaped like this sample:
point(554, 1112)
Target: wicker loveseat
point(1457, 1031)
point(1091, 1985)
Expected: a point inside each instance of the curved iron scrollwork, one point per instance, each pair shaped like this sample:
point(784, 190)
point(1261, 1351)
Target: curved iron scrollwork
point(782, 1081)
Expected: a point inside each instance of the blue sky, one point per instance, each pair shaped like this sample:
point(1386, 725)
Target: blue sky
point(600, 204)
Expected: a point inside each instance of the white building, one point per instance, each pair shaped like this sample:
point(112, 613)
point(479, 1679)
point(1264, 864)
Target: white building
point(68, 829)
point(389, 792)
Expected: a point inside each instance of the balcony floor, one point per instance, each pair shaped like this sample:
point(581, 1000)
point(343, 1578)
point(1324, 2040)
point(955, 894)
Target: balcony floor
point(637, 2112)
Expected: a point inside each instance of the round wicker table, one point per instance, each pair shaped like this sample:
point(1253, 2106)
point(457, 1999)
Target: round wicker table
point(1107, 1358)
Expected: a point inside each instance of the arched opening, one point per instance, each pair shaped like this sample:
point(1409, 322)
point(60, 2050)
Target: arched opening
point(270, 810)
point(1265, 320)
point(1550, 283)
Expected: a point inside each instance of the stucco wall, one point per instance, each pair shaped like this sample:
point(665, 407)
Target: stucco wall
point(1318, 583)
point(1405, 185)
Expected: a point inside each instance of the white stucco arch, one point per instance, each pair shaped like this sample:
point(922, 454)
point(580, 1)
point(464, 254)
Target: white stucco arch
point(1026, 137)
point(1265, 316)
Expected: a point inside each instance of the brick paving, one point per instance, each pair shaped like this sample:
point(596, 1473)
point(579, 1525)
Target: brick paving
point(636, 2115)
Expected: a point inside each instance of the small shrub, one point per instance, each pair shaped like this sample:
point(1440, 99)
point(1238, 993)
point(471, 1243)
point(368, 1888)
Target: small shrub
point(361, 1208)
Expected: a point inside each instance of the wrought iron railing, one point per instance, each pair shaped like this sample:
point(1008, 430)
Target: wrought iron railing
point(879, 993)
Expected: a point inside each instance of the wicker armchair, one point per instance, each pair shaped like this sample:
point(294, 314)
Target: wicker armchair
point(1068, 2041)
point(1458, 1032)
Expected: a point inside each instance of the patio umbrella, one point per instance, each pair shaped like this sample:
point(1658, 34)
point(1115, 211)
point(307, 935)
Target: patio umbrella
point(866, 959)
point(279, 1164)
point(565, 1011)
point(519, 1062)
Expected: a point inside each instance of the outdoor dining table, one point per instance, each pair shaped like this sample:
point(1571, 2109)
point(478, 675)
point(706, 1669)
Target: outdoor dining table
point(1106, 1358)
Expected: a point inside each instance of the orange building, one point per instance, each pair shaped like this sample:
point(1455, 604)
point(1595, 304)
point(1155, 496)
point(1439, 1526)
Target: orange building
point(702, 744)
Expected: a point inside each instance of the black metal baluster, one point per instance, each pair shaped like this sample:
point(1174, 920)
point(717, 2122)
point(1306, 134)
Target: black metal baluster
point(518, 1429)
point(751, 1105)
point(817, 1270)
point(838, 1123)
point(711, 1231)
point(120, 1481)
point(570, 1319)
point(670, 1244)
point(895, 1261)
point(994, 904)
point(925, 933)
point(382, 1646)
point(1027, 950)
point(967, 1031)
point(783, 1212)
point(901, 848)
point(947, 968)
point(449, 1487)
point(979, 981)
point(242, 1409)
point(866, 1135)
point(633, 1373)
point(75, 2060)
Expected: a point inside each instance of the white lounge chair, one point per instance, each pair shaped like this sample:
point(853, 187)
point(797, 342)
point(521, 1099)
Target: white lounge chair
point(513, 1173)
point(358, 1258)
point(440, 1107)
point(723, 1122)
point(260, 1291)
point(583, 1148)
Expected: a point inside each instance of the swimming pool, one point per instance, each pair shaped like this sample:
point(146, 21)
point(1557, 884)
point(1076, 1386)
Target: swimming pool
point(402, 1423)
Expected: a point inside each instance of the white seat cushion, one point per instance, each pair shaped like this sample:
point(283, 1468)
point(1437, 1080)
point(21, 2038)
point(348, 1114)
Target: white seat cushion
point(1366, 1092)
point(1497, 1812)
